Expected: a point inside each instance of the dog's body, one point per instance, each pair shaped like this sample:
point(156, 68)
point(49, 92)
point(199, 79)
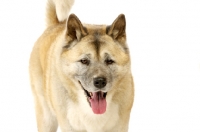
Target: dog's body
point(80, 74)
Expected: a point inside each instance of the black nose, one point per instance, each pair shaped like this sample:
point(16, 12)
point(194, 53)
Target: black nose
point(100, 82)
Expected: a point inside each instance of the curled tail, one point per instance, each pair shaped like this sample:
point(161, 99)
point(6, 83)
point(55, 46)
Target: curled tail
point(57, 11)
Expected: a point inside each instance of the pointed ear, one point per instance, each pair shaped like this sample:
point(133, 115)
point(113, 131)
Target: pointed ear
point(118, 28)
point(75, 29)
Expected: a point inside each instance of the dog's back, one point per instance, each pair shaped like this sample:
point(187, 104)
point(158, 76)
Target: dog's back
point(57, 12)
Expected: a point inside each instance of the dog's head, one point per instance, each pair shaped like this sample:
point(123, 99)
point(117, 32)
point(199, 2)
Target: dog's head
point(96, 57)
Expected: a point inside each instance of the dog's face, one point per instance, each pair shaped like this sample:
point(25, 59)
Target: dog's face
point(96, 57)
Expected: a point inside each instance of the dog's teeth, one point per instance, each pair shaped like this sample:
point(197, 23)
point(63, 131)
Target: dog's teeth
point(91, 94)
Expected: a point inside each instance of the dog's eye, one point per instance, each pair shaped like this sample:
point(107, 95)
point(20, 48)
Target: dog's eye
point(109, 62)
point(85, 61)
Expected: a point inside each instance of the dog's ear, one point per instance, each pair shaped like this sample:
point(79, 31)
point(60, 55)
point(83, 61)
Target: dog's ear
point(118, 29)
point(75, 29)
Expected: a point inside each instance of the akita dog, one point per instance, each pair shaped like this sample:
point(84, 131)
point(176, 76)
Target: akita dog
point(80, 74)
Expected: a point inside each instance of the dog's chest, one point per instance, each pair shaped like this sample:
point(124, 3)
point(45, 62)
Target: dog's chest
point(83, 119)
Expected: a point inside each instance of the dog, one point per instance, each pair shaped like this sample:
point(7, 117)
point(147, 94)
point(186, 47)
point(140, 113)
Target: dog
point(80, 74)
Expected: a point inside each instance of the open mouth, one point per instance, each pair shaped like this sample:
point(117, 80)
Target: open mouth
point(97, 100)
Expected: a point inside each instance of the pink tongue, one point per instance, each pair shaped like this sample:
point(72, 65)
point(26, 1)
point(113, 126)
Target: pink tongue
point(98, 103)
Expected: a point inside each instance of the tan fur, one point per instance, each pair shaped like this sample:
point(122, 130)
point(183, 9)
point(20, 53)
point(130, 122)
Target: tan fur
point(59, 98)
point(57, 11)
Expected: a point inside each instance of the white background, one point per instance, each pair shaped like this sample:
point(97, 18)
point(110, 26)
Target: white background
point(164, 40)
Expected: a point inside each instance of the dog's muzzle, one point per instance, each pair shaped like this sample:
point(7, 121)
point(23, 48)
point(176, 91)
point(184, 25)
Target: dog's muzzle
point(100, 82)
point(97, 100)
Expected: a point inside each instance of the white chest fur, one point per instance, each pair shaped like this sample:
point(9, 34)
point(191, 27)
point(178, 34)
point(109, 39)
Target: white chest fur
point(82, 118)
